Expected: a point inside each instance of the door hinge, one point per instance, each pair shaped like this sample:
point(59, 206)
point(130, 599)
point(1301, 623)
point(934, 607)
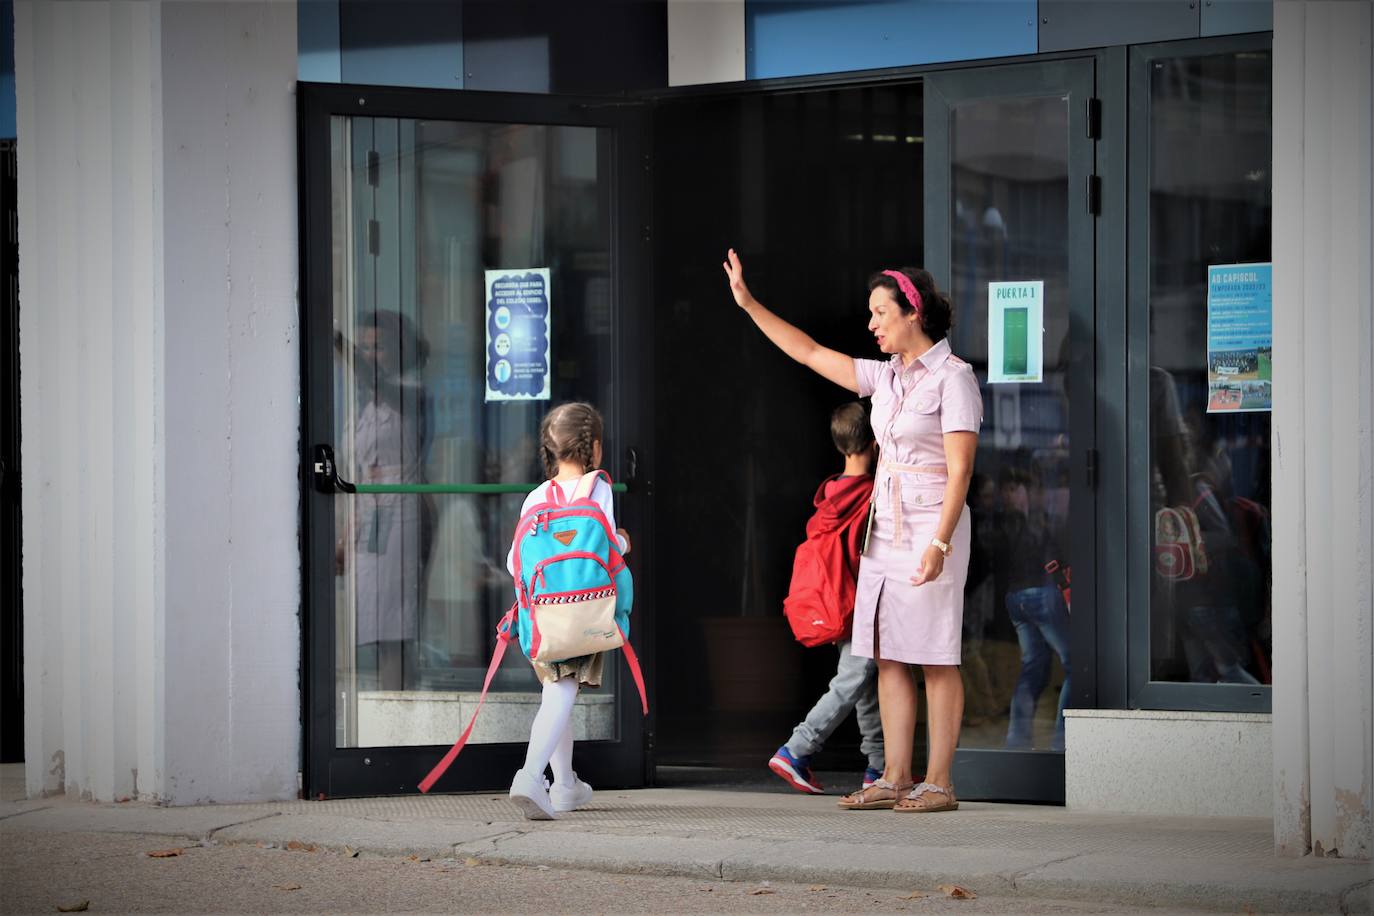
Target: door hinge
point(374, 237)
point(1094, 119)
point(1094, 195)
point(1090, 466)
point(374, 168)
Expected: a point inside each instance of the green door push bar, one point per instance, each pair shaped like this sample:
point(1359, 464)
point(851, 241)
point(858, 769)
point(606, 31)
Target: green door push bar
point(484, 488)
point(327, 480)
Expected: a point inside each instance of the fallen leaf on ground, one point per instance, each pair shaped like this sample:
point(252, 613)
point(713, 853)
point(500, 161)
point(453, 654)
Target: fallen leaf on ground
point(293, 886)
point(164, 853)
point(298, 846)
point(350, 852)
point(471, 861)
point(957, 891)
point(816, 887)
point(81, 907)
point(761, 890)
point(915, 895)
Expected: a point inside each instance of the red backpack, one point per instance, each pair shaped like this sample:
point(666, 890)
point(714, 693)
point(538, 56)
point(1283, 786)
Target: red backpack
point(820, 602)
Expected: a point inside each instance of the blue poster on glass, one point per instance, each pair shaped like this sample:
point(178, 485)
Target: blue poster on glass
point(518, 329)
point(1240, 338)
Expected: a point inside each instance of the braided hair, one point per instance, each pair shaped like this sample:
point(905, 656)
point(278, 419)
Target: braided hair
point(569, 432)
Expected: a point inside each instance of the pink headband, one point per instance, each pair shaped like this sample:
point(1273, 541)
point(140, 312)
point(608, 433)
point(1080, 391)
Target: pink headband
point(907, 287)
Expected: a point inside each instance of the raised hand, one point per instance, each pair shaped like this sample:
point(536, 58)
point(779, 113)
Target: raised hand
point(734, 270)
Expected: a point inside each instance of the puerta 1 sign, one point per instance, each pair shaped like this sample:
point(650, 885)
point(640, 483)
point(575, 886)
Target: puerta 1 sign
point(518, 327)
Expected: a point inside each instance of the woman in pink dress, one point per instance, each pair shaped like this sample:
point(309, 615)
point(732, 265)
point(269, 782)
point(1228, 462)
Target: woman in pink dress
point(910, 601)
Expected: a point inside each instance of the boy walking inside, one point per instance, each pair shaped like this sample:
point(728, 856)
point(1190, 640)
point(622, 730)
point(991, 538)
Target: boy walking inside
point(820, 606)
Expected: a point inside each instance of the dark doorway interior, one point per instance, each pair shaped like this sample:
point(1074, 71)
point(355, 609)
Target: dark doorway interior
point(815, 189)
point(11, 605)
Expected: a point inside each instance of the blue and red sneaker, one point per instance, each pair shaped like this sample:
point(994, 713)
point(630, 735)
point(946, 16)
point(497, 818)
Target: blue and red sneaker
point(871, 776)
point(796, 771)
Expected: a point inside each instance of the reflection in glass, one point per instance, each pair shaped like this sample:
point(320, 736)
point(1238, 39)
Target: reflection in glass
point(1010, 184)
point(421, 209)
point(1209, 204)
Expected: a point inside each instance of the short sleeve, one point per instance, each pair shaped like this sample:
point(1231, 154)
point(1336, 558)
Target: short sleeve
point(867, 371)
point(601, 493)
point(961, 403)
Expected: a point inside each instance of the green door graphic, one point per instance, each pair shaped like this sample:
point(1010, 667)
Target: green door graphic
point(1015, 342)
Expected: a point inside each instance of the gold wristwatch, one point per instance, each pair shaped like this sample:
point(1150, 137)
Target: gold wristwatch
point(941, 546)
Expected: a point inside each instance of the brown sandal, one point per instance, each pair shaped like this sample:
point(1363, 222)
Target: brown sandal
point(916, 800)
point(880, 795)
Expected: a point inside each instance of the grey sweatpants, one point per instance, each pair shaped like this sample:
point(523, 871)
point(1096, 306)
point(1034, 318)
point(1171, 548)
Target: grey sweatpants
point(854, 688)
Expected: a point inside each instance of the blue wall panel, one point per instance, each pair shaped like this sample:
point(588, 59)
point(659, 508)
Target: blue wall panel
point(317, 41)
point(1231, 17)
point(1069, 25)
point(402, 43)
point(8, 102)
point(790, 38)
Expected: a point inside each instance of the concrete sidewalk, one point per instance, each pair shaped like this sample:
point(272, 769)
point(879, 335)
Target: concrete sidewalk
point(1009, 851)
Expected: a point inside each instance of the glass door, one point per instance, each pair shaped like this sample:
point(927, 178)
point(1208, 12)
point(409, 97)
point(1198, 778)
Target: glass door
point(1010, 199)
point(465, 272)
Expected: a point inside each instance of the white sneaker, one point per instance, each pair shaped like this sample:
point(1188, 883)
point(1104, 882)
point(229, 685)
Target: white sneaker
point(570, 798)
point(530, 793)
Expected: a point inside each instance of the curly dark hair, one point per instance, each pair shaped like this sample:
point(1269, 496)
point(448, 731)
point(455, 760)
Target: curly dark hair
point(937, 315)
point(570, 432)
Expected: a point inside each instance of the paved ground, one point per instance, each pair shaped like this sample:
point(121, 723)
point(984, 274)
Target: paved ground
point(112, 872)
point(649, 850)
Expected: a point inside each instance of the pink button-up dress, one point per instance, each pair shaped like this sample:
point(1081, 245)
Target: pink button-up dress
point(913, 407)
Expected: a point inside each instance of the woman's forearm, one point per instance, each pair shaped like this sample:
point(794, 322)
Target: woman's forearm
point(796, 343)
point(960, 449)
point(956, 492)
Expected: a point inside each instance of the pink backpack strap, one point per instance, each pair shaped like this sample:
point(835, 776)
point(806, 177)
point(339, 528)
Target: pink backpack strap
point(632, 660)
point(504, 629)
point(555, 494)
point(587, 484)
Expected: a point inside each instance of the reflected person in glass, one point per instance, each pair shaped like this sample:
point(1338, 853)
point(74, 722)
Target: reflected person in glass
point(388, 545)
point(1025, 544)
point(909, 606)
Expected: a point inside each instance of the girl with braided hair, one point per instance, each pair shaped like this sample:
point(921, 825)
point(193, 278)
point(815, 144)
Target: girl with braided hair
point(570, 445)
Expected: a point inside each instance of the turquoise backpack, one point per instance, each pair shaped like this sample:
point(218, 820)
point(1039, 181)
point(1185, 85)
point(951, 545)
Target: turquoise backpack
point(573, 592)
point(573, 589)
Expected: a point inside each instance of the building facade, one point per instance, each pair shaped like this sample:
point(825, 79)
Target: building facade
point(269, 259)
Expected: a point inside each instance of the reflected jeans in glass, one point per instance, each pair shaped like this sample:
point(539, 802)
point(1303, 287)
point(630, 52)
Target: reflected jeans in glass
point(1042, 627)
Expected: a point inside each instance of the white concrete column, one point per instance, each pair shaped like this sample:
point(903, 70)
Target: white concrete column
point(158, 350)
point(1323, 444)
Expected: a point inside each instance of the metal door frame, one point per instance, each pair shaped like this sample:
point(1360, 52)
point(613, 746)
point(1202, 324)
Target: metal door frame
point(330, 771)
point(1038, 776)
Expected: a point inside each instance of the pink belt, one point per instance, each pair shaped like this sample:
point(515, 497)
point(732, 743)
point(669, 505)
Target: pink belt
point(895, 472)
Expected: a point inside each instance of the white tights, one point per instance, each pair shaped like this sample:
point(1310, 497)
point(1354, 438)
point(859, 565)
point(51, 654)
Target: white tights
point(551, 737)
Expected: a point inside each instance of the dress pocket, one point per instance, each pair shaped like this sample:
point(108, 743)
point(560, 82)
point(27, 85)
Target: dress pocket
point(920, 495)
